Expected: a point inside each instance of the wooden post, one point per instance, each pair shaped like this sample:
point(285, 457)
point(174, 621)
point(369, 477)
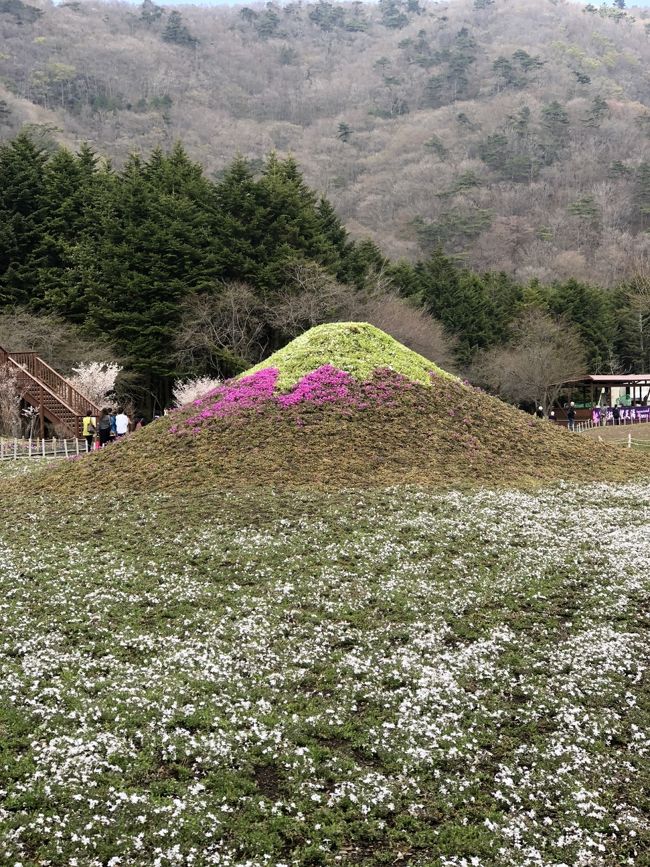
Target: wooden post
point(65, 447)
point(629, 441)
point(15, 448)
point(43, 446)
point(54, 445)
point(30, 447)
point(76, 442)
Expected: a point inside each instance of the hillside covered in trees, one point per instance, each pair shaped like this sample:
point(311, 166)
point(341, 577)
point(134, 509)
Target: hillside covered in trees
point(512, 134)
point(178, 275)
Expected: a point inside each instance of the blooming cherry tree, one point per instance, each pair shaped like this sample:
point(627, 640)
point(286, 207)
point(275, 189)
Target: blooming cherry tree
point(192, 389)
point(95, 379)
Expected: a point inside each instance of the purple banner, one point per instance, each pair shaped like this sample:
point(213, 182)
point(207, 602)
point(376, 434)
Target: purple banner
point(627, 414)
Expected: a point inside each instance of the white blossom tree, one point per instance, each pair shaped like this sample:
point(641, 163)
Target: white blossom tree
point(95, 379)
point(191, 389)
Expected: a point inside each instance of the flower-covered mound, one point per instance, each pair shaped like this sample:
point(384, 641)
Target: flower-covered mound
point(341, 425)
point(325, 385)
point(332, 431)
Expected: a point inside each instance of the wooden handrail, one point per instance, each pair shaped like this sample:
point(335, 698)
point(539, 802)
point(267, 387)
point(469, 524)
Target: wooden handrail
point(42, 387)
point(33, 380)
point(43, 371)
point(55, 383)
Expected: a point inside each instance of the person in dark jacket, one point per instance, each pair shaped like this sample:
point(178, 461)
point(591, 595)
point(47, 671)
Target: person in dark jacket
point(571, 416)
point(104, 427)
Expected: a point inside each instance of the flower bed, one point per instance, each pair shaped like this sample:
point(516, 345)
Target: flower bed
point(325, 385)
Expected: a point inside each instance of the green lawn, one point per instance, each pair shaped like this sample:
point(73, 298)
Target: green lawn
point(619, 434)
point(264, 679)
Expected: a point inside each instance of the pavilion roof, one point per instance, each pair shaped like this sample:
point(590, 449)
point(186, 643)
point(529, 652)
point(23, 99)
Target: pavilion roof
point(610, 379)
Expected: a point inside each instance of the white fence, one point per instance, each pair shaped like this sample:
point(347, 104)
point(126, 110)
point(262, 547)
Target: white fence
point(16, 449)
point(591, 425)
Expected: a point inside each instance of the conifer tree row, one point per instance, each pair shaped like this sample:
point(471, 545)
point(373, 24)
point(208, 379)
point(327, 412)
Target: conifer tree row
point(118, 252)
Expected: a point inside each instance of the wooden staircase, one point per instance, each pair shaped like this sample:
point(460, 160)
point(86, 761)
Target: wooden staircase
point(53, 396)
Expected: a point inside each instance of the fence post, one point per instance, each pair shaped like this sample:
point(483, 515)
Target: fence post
point(65, 447)
point(76, 442)
point(15, 448)
point(629, 441)
point(43, 446)
point(30, 447)
point(2, 449)
point(54, 445)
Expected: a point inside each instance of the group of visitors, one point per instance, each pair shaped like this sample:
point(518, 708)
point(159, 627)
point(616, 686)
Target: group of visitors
point(112, 425)
point(570, 415)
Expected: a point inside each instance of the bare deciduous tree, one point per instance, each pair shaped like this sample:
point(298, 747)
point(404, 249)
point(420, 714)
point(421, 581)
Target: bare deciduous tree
point(411, 325)
point(57, 342)
point(543, 354)
point(225, 326)
point(311, 296)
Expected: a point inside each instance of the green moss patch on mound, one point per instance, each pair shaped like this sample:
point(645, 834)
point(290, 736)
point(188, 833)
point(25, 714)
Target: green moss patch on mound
point(355, 347)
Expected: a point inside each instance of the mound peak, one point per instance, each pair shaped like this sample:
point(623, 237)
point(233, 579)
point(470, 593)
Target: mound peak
point(357, 348)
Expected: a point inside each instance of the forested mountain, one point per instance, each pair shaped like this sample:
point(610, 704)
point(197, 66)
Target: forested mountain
point(513, 133)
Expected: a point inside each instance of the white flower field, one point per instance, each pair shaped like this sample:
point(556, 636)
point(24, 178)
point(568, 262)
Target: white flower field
point(395, 677)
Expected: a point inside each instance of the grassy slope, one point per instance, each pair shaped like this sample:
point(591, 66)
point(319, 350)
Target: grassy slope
point(370, 679)
point(441, 436)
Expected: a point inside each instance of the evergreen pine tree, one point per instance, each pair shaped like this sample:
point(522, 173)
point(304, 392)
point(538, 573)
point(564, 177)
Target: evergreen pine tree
point(23, 209)
point(177, 32)
point(154, 244)
point(69, 183)
point(288, 224)
point(590, 309)
point(238, 202)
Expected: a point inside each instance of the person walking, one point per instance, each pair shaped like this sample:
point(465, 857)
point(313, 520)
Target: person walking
point(88, 430)
point(539, 412)
point(104, 427)
point(616, 414)
point(122, 423)
point(571, 416)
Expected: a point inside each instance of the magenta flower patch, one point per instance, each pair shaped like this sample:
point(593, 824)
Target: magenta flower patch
point(234, 396)
point(325, 385)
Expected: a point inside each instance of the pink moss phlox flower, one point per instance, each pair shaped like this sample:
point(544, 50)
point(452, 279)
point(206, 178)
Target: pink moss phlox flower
point(326, 384)
point(235, 395)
